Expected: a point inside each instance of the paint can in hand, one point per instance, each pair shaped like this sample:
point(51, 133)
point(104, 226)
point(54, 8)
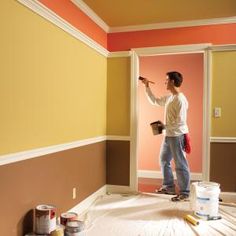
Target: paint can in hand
point(45, 219)
point(157, 127)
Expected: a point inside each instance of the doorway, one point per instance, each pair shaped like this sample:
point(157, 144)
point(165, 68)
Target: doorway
point(145, 147)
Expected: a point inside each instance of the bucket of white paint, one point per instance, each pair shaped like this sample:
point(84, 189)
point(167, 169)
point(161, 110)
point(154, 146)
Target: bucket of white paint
point(204, 199)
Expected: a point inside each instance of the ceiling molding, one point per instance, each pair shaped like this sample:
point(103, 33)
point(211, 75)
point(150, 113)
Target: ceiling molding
point(91, 14)
point(177, 24)
point(120, 54)
point(48, 14)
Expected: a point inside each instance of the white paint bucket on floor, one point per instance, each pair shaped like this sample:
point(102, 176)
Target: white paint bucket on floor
point(204, 199)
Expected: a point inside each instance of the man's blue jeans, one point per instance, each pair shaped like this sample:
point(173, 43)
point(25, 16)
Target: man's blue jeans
point(173, 148)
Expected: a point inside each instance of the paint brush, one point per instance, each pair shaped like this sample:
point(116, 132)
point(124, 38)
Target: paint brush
point(142, 78)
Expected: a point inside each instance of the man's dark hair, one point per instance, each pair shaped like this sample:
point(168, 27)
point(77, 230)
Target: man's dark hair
point(176, 76)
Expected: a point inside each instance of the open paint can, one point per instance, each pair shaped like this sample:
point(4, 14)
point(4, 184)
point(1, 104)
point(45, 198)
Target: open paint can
point(74, 227)
point(45, 219)
point(157, 127)
point(68, 216)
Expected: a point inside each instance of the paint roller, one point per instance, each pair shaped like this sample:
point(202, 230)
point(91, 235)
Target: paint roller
point(142, 78)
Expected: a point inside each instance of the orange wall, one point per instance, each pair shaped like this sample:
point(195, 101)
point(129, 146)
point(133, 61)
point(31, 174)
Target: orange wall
point(72, 14)
point(215, 34)
point(155, 68)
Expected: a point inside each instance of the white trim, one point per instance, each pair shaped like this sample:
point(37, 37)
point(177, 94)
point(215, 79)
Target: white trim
point(118, 189)
point(134, 121)
point(201, 48)
point(120, 54)
point(176, 24)
point(21, 156)
point(158, 175)
point(25, 155)
point(118, 138)
point(176, 49)
point(227, 47)
point(45, 12)
point(206, 115)
point(91, 14)
point(223, 139)
point(83, 206)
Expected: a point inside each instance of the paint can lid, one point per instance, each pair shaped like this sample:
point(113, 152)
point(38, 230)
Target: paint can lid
point(69, 215)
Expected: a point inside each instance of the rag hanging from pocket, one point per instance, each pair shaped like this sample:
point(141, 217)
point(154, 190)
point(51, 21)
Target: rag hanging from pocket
point(187, 146)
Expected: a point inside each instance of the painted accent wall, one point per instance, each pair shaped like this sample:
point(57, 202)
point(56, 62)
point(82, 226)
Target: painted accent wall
point(77, 18)
point(215, 34)
point(155, 68)
point(50, 95)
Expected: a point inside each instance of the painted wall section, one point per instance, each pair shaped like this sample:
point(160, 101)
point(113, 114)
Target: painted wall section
point(72, 14)
point(118, 96)
point(52, 86)
point(215, 34)
point(223, 93)
point(155, 68)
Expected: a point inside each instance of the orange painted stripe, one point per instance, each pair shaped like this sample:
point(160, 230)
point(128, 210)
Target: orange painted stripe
point(215, 34)
point(73, 15)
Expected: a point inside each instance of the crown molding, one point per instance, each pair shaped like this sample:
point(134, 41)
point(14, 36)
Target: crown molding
point(48, 14)
point(226, 47)
point(177, 24)
point(120, 54)
point(91, 14)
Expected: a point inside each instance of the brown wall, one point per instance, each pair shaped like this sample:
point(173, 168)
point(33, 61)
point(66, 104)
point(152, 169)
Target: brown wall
point(223, 164)
point(48, 180)
point(118, 162)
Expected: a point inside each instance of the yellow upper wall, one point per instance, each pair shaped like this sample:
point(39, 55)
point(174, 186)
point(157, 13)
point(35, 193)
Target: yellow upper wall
point(52, 86)
point(223, 93)
point(118, 96)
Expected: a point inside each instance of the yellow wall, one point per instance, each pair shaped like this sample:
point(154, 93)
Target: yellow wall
point(224, 93)
point(52, 86)
point(118, 96)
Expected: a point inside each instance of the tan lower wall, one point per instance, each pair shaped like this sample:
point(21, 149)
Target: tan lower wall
point(48, 180)
point(118, 162)
point(223, 164)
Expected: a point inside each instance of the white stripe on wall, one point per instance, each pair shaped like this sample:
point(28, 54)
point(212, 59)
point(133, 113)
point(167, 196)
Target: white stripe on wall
point(223, 140)
point(21, 156)
point(158, 175)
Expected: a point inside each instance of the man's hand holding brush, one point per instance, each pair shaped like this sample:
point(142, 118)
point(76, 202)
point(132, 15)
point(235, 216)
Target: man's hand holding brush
point(145, 81)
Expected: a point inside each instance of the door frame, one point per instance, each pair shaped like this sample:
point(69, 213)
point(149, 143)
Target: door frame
point(169, 50)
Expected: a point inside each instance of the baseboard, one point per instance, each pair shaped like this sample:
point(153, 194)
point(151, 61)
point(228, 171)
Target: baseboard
point(118, 189)
point(228, 196)
point(83, 206)
point(158, 175)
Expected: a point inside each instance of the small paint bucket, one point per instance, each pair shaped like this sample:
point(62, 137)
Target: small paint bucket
point(157, 127)
point(74, 227)
point(45, 219)
point(68, 216)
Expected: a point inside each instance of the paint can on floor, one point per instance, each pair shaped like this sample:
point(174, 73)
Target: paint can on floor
point(68, 216)
point(45, 219)
point(205, 199)
point(74, 227)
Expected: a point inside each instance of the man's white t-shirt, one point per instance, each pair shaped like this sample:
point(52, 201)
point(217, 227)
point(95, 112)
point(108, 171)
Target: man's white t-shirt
point(176, 107)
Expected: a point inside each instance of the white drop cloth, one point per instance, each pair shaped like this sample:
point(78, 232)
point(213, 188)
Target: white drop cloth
point(151, 215)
